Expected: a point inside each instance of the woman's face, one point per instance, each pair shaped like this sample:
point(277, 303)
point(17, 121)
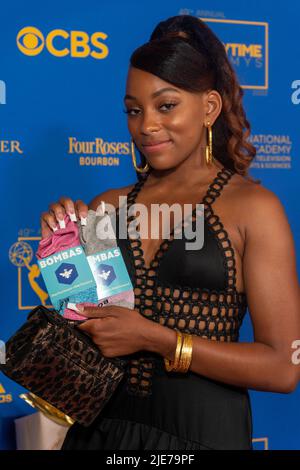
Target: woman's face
point(173, 116)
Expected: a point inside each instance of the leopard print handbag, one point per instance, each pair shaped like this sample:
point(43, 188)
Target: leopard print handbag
point(59, 363)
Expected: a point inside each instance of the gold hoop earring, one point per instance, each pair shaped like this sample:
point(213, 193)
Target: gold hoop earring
point(138, 169)
point(208, 149)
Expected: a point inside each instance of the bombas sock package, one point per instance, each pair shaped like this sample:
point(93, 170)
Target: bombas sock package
point(83, 266)
point(66, 271)
point(105, 259)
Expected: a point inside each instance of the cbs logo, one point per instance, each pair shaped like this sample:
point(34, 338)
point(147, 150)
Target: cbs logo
point(61, 43)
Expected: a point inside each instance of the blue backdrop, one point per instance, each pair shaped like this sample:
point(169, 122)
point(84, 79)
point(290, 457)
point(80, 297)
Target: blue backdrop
point(62, 82)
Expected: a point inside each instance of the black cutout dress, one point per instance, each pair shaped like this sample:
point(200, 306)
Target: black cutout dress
point(193, 291)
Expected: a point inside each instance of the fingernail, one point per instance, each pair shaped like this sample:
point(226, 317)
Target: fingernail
point(73, 306)
point(83, 220)
point(62, 224)
point(73, 217)
point(54, 229)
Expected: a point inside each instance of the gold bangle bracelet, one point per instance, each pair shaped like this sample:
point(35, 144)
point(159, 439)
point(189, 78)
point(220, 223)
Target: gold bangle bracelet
point(173, 365)
point(184, 365)
point(178, 350)
point(188, 358)
point(186, 354)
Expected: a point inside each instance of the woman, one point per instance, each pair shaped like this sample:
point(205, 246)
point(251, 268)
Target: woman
point(182, 90)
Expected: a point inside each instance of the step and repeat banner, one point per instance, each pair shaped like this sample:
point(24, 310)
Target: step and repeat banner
point(63, 68)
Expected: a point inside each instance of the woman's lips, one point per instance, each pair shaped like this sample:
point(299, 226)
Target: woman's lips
point(157, 147)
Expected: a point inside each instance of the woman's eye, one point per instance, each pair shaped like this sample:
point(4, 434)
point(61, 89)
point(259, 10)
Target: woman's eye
point(128, 111)
point(168, 105)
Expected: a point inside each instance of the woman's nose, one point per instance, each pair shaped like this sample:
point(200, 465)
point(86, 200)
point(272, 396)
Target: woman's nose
point(149, 125)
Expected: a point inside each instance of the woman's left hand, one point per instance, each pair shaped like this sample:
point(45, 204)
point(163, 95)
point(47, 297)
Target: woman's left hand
point(117, 331)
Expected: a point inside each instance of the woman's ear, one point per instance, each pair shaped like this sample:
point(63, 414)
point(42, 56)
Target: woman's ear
point(213, 105)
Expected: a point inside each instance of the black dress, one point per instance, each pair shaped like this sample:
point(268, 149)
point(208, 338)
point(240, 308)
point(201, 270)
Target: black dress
point(193, 291)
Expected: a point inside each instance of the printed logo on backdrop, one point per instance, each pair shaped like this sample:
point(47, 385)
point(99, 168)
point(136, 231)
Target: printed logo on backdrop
point(273, 151)
point(31, 289)
point(10, 148)
point(4, 397)
point(260, 443)
point(97, 152)
point(201, 12)
point(2, 92)
point(246, 43)
point(61, 43)
point(295, 96)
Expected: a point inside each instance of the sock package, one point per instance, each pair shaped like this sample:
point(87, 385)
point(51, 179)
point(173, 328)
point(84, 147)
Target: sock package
point(96, 237)
point(93, 239)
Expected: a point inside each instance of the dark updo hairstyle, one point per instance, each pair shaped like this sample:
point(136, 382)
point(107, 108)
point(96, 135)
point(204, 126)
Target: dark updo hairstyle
point(185, 52)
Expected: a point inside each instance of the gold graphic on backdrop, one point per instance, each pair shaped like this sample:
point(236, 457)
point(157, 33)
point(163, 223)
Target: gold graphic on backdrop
point(20, 255)
point(264, 441)
point(5, 397)
point(243, 49)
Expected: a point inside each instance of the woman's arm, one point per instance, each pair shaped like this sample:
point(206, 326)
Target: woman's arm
point(270, 277)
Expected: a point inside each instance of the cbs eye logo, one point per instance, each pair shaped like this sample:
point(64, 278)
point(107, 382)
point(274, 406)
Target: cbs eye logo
point(61, 43)
point(30, 41)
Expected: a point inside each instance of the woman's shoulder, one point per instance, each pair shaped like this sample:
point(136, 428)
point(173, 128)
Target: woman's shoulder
point(255, 203)
point(111, 196)
point(254, 194)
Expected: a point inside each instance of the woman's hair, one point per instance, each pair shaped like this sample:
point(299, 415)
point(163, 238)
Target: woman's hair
point(183, 51)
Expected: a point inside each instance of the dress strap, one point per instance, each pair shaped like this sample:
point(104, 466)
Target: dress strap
point(216, 226)
point(215, 188)
point(131, 196)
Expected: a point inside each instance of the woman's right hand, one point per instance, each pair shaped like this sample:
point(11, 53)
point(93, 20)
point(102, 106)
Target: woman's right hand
point(54, 218)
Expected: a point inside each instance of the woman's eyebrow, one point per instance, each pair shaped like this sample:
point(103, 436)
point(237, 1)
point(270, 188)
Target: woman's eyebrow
point(156, 93)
